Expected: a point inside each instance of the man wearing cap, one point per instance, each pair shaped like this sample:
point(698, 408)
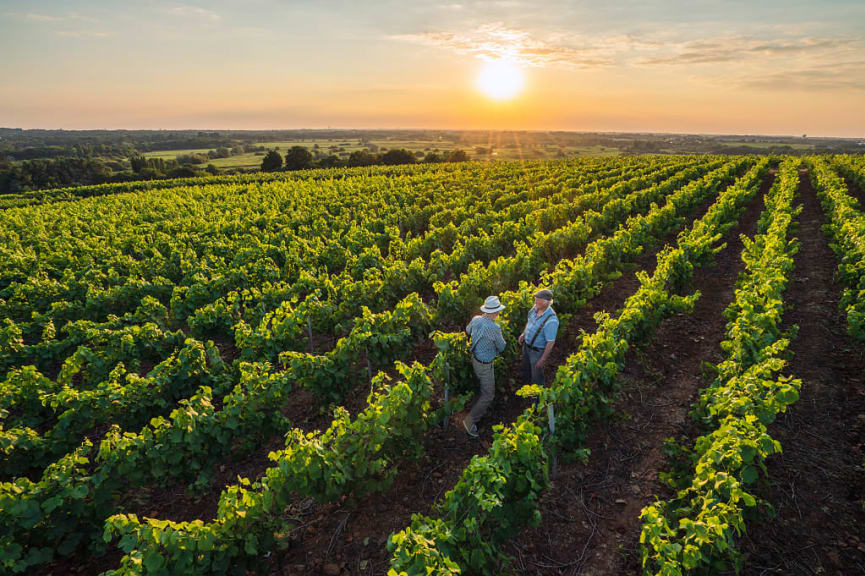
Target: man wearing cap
point(538, 337)
point(486, 342)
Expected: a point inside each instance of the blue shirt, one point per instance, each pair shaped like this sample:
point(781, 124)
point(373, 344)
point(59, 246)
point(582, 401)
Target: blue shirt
point(486, 338)
point(548, 334)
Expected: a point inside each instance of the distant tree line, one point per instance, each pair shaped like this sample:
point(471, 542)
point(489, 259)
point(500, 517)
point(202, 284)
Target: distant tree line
point(37, 159)
point(41, 173)
point(300, 158)
point(64, 172)
point(158, 168)
point(34, 159)
point(36, 174)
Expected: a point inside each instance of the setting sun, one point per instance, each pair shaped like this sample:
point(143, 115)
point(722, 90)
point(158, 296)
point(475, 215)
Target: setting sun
point(500, 79)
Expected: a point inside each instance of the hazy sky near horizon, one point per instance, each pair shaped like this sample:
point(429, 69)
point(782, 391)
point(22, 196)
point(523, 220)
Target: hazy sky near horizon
point(769, 67)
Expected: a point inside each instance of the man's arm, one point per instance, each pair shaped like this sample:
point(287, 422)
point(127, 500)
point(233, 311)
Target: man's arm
point(500, 342)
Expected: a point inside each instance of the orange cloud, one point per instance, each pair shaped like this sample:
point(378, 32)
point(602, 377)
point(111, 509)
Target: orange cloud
point(497, 41)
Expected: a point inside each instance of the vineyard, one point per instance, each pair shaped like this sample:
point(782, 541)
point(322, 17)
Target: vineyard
point(266, 373)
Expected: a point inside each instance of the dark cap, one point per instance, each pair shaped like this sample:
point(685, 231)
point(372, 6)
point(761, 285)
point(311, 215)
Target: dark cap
point(544, 294)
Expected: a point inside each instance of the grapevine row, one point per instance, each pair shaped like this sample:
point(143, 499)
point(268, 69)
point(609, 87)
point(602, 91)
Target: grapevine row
point(698, 528)
point(66, 483)
point(328, 375)
point(322, 467)
point(497, 494)
point(846, 229)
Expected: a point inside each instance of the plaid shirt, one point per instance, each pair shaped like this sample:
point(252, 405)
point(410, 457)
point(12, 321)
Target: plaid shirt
point(486, 338)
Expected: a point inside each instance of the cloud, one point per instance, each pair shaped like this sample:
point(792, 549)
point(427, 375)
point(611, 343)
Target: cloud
point(196, 12)
point(777, 62)
point(70, 19)
point(804, 63)
point(847, 75)
point(734, 48)
point(50, 18)
point(497, 41)
point(83, 33)
point(39, 17)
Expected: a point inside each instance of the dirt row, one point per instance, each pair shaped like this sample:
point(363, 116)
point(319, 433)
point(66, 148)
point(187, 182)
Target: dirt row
point(854, 190)
point(590, 514)
point(449, 445)
point(306, 413)
point(817, 485)
point(350, 538)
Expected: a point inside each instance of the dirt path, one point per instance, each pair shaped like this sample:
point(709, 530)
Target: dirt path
point(591, 513)
point(352, 535)
point(854, 190)
point(172, 502)
point(818, 482)
point(351, 538)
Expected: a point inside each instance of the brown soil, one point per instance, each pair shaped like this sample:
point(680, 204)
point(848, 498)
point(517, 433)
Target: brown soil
point(817, 485)
point(590, 515)
point(174, 503)
point(352, 534)
point(350, 537)
point(854, 190)
point(227, 350)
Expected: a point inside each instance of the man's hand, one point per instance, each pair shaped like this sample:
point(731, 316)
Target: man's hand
point(522, 338)
point(543, 359)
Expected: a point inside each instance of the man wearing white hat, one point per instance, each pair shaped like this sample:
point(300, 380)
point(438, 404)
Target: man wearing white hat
point(486, 343)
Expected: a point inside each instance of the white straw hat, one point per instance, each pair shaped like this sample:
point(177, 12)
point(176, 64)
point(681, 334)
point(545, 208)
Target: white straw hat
point(491, 305)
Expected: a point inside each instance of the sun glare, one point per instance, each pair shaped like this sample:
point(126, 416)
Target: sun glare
point(500, 79)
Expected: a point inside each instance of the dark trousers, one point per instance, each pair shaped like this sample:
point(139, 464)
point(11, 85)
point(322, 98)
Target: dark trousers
point(532, 375)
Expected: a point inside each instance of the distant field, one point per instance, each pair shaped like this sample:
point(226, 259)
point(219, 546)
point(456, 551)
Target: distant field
point(344, 147)
point(766, 145)
point(168, 154)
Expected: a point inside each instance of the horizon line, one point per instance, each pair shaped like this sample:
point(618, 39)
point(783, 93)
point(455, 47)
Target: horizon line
point(409, 129)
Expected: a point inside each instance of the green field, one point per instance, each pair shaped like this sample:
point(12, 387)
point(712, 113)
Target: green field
point(187, 367)
point(766, 145)
point(342, 148)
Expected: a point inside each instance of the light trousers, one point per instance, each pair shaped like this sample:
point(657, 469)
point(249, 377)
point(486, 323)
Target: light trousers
point(487, 378)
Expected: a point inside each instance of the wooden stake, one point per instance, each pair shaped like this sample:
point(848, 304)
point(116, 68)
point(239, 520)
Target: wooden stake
point(369, 371)
point(447, 383)
point(551, 421)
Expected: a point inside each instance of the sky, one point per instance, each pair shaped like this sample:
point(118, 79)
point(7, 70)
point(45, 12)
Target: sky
point(723, 67)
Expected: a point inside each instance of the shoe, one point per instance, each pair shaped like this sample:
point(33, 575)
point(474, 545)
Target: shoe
point(473, 431)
